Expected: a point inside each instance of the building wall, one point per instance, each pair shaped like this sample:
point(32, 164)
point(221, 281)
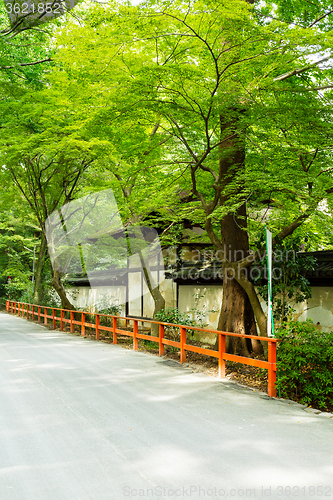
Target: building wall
point(319, 308)
point(102, 297)
point(93, 299)
point(200, 301)
point(203, 304)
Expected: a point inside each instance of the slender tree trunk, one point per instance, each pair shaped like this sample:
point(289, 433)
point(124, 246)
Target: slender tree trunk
point(59, 288)
point(159, 302)
point(38, 271)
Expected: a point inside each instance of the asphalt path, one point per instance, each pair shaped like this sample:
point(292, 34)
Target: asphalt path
point(83, 420)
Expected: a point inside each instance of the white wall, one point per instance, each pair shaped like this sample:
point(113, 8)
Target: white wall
point(319, 308)
point(91, 299)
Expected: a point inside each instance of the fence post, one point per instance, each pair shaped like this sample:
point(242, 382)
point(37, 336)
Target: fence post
point(97, 326)
point(54, 319)
point(62, 320)
point(45, 315)
point(114, 326)
point(182, 343)
point(160, 340)
point(38, 314)
point(221, 353)
point(72, 324)
point(272, 369)
point(135, 331)
point(23, 310)
point(19, 309)
point(28, 312)
point(83, 328)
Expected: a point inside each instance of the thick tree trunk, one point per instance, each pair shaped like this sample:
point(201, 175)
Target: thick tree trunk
point(236, 313)
point(38, 271)
point(259, 314)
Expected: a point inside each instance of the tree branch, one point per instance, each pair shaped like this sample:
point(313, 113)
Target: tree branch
point(320, 18)
point(280, 78)
point(26, 64)
point(299, 89)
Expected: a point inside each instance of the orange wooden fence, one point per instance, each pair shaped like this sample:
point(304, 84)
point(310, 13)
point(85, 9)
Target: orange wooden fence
point(36, 312)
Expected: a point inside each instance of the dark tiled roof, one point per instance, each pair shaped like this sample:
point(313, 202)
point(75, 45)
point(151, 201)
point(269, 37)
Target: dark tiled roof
point(198, 273)
point(211, 273)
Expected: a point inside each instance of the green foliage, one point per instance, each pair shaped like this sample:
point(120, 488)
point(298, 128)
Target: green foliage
point(135, 97)
point(107, 305)
point(149, 345)
point(305, 364)
point(113, 310)
point(305, 13)
point(48, 296)
point(159, 99)
point(20, 53)
point(18, 238)
point(19, 290)
point(194, 317)
point(174, 316)
point(289, 284)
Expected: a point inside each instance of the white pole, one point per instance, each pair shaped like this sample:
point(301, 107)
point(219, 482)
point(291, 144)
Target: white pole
point(270, 324)
point(33, 265)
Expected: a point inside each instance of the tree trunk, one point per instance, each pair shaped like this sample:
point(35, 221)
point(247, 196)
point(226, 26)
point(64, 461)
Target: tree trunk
point(236, 313)
point(59, 288)
point(39, 270)
point(159, 302)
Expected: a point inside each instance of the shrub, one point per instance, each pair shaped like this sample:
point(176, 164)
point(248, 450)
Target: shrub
point(173, 315)
point(305, 364)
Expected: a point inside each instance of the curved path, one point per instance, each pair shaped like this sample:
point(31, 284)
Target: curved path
point(83, 420)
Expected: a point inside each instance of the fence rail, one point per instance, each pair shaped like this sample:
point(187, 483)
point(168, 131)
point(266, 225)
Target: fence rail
point(36, 312)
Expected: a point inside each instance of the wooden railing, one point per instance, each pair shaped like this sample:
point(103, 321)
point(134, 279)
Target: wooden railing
point(36, 312)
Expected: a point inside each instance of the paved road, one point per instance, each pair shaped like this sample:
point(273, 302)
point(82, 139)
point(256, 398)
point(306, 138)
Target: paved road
point(83, 420)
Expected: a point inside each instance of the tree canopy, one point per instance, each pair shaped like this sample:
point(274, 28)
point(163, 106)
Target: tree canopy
point(214, 111)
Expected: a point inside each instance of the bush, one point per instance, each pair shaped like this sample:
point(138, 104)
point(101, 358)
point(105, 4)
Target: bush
point(105, 306)
point(173, 315)
point(305, 364)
